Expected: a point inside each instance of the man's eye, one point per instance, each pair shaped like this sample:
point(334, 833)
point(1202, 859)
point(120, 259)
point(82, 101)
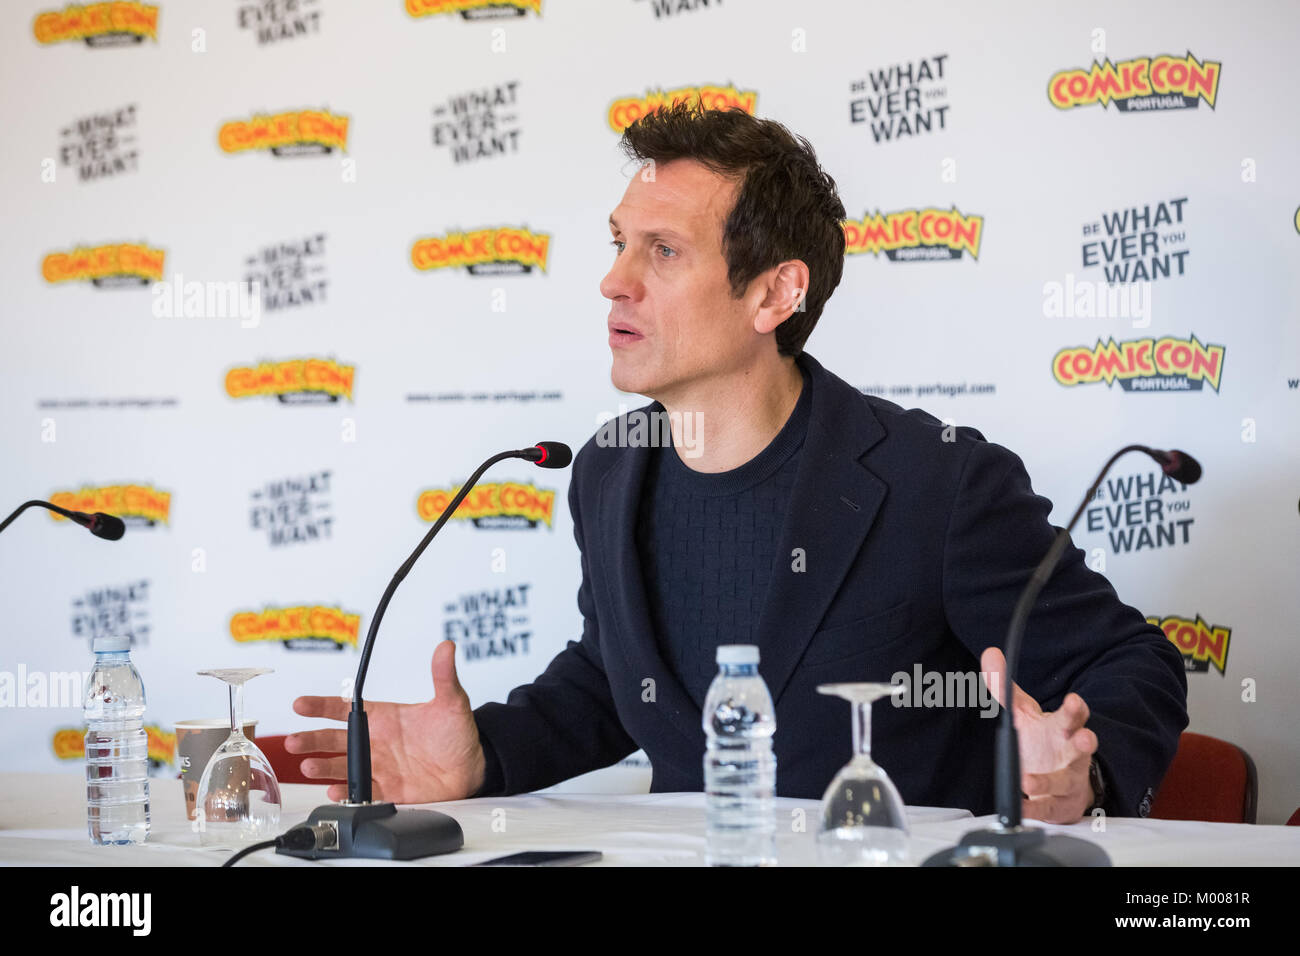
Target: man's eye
point(618, 245)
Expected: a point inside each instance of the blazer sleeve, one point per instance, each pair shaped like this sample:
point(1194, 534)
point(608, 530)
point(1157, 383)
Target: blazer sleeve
point(564, 723)
point(1080, 637)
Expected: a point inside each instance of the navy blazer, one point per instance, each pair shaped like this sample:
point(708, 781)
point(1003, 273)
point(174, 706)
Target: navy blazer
point(916, 539)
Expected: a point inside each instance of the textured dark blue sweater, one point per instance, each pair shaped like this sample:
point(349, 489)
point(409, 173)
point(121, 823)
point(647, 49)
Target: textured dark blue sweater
point(707, 544)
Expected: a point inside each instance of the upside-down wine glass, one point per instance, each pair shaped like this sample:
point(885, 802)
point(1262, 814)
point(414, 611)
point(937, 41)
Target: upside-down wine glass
point(863, 819)
point(239, 797)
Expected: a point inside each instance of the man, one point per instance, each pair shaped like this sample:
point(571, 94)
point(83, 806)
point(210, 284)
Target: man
point(849, 539)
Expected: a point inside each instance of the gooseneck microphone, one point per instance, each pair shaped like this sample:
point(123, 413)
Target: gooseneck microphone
point(544, 454)
point(108, 527)
point(360, 828)
point(1178, 465)
point(1009, 843)
point(548, 454)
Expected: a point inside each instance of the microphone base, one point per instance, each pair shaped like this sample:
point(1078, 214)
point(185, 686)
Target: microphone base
point(379, 831)
point(1020, 847)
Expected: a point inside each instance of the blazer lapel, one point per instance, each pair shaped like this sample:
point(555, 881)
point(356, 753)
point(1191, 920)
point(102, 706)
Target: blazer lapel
point(832, 507)
point(620, 495)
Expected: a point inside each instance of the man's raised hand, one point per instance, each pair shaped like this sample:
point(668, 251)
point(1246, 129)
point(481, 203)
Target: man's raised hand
point(419, 753)
point(1055, 748)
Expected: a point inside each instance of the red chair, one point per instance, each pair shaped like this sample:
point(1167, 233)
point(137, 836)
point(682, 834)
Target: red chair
point(1295, 819)
point(287, 765)
point(1211, 780)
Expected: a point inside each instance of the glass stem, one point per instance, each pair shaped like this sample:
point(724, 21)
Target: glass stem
point(236, 710)
point(862, 730)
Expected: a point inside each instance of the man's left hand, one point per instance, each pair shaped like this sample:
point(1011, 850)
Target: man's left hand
point(1055, 748)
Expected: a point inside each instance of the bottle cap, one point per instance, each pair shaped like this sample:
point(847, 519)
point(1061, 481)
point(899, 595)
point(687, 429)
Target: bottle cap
point(737, 654)
point(110, 645)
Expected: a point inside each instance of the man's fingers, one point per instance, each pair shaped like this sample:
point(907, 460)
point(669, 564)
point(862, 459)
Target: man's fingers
point(1075, 741)
point(1084, 742)
point(333, 708)
point(325, 768)
point(1069, 780)
point(993, 668)
point(446, 685)
point(1060, 796)
point(1074, 711)
point(317, 742)
point(1053, 809)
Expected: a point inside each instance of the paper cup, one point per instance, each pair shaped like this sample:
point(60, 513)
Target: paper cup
point(196, 742)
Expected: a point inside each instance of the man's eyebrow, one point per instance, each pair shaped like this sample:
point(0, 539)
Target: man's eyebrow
point(656, 231)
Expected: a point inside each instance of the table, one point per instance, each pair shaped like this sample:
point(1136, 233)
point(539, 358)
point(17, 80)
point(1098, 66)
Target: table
point(42, 822)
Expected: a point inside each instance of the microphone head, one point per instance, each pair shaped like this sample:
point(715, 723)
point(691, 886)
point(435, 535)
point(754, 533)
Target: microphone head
point(1181, 467)
point(551, 454)
point(108, 527)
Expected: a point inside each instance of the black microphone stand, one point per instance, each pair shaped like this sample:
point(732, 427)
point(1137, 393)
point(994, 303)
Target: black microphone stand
point(358, 827)
point(108, 527)
point(1009, 843)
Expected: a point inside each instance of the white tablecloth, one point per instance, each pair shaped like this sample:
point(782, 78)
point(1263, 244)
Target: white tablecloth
point(42, 822)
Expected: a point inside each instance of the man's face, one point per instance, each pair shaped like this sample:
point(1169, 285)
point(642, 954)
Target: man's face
point(668, 285)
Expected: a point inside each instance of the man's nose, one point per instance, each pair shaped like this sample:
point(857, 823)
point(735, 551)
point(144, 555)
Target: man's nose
point(623, 279)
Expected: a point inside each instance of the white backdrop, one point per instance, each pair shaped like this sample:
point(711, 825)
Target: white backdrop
point(449, 122)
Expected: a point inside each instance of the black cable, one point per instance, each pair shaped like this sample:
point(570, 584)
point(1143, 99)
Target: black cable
point(301, 837)
point(251, 849)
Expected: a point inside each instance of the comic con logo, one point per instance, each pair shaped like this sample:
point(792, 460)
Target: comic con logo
point(293, 133)
point(494, 251)
point(294, 382)
point(474, 9)
point(909, 235)
point(98, 24)
point(626, 110)
point(1138, 244)
point(487, 624)
point(497, 505)
point(1169, 364)
point(1143, 511)
point(478, 124)
point(136, 505)
point(114, 611)
point(1139, 85)
point(1201, 644)
point(105, 267)
point(100, 145)
point(305, 627)
point(69, 743)
point(893, 104)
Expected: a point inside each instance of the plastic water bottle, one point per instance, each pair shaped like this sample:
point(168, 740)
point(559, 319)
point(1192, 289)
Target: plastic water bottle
point(117, 747)
point(739, 766)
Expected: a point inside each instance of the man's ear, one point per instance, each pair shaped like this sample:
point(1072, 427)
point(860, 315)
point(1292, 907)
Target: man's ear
point(784, 293)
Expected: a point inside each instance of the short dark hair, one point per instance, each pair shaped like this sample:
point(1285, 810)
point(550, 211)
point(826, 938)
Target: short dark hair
point(787, 206)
